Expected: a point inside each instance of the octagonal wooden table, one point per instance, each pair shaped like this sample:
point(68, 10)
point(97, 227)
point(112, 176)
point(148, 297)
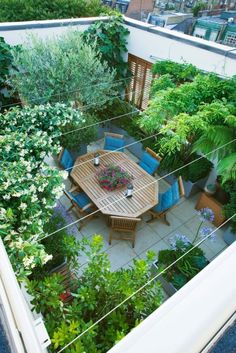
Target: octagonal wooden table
point(145, 193)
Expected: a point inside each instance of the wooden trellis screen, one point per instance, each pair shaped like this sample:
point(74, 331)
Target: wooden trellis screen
point(138, 90)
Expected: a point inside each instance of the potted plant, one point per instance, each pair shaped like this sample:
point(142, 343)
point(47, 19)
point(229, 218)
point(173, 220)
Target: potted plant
point(188, 266)
point(210, 189)
point(112, 177)
point(194, 174)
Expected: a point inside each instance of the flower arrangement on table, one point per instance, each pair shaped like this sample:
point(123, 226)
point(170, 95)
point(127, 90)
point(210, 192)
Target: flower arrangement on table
point(112, 177)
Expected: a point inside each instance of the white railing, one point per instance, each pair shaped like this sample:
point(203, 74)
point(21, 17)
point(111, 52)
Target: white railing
point(26, 335)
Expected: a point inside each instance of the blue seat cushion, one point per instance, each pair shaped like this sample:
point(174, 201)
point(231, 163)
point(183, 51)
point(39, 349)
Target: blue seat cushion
point(149, 163)
point(66, 161)
point(113, 143)
point(168, 198)
point(81, 199)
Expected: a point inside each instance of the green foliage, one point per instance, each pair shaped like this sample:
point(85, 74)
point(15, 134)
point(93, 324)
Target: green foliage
point(179, 73)
point(62, 68)
point(29, 10)
point(128, 122)
point(162, 83)
point(192, 172)
point(199, 6)
point(216, 136)
point(98, 291)
point(74, 133)
point(6, 64)
point(186, 268)
point(110, 41)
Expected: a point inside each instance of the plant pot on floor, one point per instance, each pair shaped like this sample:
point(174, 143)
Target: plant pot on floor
point(229, 236)
point(168, 287)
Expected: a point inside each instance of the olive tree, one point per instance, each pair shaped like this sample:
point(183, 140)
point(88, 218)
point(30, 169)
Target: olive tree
point(62, 68)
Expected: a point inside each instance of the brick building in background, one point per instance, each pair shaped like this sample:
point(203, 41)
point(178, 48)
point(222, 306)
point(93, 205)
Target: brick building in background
point(140, 8)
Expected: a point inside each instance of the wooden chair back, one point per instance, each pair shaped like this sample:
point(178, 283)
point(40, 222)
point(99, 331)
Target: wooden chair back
point(153, 154)
point(111, 134)
point(181, 186)
point(123, 225)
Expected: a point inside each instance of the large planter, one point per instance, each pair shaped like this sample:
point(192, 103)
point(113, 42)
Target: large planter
point(168, 287)
point(229, 236)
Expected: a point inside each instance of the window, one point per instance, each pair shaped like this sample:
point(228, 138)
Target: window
point(199, 32)
point(213, 36)
point(230, 39)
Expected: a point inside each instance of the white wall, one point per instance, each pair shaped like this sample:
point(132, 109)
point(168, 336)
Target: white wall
point(163, 44)
point(179, 48)
point(17, 32)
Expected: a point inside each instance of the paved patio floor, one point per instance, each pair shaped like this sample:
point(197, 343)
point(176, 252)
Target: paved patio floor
point(150, 236)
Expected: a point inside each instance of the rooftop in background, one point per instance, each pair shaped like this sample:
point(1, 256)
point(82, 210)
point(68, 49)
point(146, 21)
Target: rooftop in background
point(220, 28)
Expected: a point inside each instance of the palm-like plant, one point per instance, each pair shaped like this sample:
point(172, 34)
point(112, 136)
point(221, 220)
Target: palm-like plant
point(222, 138)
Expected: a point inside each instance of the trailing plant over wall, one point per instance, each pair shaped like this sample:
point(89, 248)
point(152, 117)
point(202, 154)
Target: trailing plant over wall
point(98, 291)
point(110, 38)
point(30, 10)
point(62, 69)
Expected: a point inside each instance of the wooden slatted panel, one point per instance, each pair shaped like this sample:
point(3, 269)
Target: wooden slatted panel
point(139, 88)
point(114, 202)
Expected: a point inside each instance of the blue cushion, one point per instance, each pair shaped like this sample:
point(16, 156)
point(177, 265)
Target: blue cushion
point(168, 198)
point(113, 143)
point(149, 163)
point(81, 199)
point(66, 161)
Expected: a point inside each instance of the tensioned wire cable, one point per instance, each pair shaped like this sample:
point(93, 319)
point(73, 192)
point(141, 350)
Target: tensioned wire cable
point(144, 286)
point(61, 93)
point(124, 197)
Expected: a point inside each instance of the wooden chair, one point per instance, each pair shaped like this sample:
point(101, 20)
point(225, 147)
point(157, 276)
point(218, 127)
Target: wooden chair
point(167, 200)
point(114, 142)
point(123, 225)
point(82, 204)
point(69, 282)
point(150, 161)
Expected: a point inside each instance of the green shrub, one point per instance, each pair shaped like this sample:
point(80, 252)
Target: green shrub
point(29, 10)
point(98, 291)
point(64, 69)
point(192, 172)
point(230, 207)
point(180, 73)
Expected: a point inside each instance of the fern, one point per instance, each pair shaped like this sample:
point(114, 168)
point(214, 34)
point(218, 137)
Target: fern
point(227, 168)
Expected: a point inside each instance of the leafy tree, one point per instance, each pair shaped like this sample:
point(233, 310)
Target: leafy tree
point(110, 38)
point(98, 291)
point(62, 68)
point(29, 10)
point(198, 7)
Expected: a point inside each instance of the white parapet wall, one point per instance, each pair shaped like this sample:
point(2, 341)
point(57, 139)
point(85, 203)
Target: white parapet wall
point(146, 41)
point(187, 321)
